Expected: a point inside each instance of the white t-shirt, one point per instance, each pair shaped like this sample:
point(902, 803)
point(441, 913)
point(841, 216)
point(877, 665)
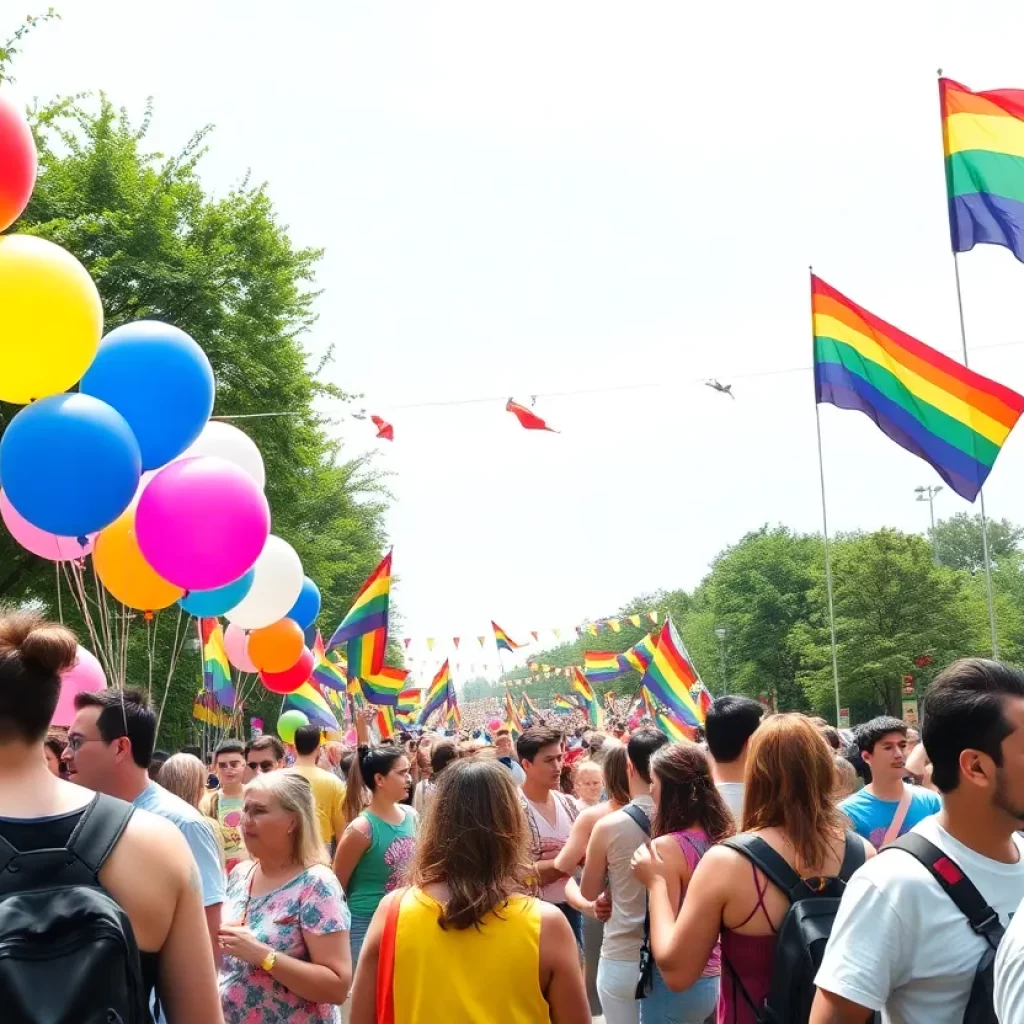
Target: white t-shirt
point(1010, 972)
point(732, 794)
point(552, 839)
point(900, 945)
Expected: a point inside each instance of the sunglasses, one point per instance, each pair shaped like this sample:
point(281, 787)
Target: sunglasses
point(262, 766)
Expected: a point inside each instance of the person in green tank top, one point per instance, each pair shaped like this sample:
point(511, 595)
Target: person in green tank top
point(379, 842)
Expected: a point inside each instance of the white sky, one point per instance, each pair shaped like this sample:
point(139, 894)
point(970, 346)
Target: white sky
point(553, 196)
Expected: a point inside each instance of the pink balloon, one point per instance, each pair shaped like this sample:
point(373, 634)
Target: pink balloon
point(236, 644)
point(86, 674)
point(494, 725)
point(350, 737)
point(39, 542)
point(202, 523)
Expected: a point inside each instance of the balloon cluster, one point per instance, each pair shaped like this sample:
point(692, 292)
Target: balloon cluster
point(130, 468)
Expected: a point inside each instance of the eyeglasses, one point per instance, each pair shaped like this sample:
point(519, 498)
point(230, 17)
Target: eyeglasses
point(262, 766)
point(75, 742)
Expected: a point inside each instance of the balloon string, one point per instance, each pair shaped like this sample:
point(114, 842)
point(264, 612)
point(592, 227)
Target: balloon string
point(60, 606)
point(176, 649)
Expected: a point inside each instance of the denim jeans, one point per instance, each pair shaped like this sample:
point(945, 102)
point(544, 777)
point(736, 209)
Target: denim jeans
point(357, 934)
point(575, 919)
point(616, 985)
point(691, 1006)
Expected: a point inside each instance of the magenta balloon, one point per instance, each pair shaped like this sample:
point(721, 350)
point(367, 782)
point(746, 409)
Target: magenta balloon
point(236, 645)
point(201, 523)
point(39, 542)
point(86, 674)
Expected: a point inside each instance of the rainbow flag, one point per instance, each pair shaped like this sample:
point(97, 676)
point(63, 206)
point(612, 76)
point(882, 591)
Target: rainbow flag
point(385, 687)
point(453, 716)
point(640, 654)
point(216, 668)
point(339, 704)
point(386, 723)
point(702, 698)
point(407, 710)
point(503, 640)
point(673, 727)
point(513, 722)
point(530, 707)
point(308, 699)
point(437, 695)
point(206, 710)
point(649, 708)
point(670, 676)
point(329, 670)
point(368, 617)
point(588, 698)
point(604, 666)
point(931, 405)
point(560, 703)
point(983, 143)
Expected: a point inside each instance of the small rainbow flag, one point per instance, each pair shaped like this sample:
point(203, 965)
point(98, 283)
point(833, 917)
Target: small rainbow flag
point(703, 699)
point(513, 722)
point(588, 698)
point(216, 668)
point(640, 654)
point(503, 640)
point(560, 703)
point(308, 699)
point(386, 723)
point(531, 708)
point(407, 710)
point(670, 676)
point(931, 405)
point(604, 666)
point(673, 727)
point(369, 612)
point(206, 710)
point(329, 670)
point(437, 695)
point(385, 687)
point(453, 716)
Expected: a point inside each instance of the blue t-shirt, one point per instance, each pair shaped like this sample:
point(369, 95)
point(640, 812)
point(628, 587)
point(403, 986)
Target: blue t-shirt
point(198, 833)
point(871, 816)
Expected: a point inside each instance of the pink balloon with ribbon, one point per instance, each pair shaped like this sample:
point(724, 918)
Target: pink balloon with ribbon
point(236, 646)
point(39, 542)
point(86, 674)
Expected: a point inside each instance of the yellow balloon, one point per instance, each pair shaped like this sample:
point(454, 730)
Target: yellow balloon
point(125, 573)
point(51, 319)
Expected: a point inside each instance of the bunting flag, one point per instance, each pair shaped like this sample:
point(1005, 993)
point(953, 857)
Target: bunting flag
point(384, 429)
point(615, 625)
point(406, 642)
point(437, 695)
point(430, 643)
point(634, 620)
point(983, 143)
point(455, 640)
point(216, 668)
point(931, 405)
point(640, 654)
point(386, 723)
point(330, 671)
point(311, 703)
point(513, 722)
point(560, 703)
point(536, 635)
point(205, 709)
point(481, 640)
point(526, 418)
point(369, 612)
point(588, 699)
point(503, 640)
point(558, 634)
point(384, 688)
point(604, 666)
point(670, 676)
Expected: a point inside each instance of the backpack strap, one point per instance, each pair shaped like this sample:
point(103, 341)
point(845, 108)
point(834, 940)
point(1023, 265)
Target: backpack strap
point(853, 857)
point(957, 886)
point(98, 831)
point(639, 815)
point(772, 864)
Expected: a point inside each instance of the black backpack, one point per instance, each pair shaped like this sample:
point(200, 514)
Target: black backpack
point(67, 950)
point(981, 917)
point(801, 939)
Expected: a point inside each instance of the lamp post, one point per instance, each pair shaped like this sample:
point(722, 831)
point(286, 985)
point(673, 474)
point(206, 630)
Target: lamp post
point(928, 494)
point(722, 632)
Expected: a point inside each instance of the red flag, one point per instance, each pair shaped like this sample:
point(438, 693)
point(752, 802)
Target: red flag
point(407, 641)
point(455, 640)
point(384, 429)
point(526, 418)
point(535, 635)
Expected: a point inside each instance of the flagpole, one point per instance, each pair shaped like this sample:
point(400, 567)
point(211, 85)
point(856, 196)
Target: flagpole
point(824, 528)
point(981, 491)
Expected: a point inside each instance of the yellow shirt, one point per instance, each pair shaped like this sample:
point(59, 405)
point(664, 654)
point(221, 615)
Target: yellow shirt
point(329, 797)
point(490, 973)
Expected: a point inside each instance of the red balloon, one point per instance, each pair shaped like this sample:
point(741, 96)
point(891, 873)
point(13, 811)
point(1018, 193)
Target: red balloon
point(292, 678)
point(17, 163)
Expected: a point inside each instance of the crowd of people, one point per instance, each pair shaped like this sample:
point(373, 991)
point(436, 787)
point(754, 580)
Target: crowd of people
point(777, 870)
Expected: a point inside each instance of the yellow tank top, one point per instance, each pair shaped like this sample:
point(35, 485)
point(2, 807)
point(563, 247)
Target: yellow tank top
point(490, 973)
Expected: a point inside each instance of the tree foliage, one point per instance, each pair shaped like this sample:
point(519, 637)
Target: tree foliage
point(959, 545)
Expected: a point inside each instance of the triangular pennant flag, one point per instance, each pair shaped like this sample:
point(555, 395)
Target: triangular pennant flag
point(615, 625)
point(653, 615)
point(634, 620)
point(430, 643)
point(407, 641)
point(526, 418)
point(481, 640)
point(455, 640)
point(384, 429)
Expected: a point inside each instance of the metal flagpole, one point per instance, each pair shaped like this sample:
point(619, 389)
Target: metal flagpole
point(824, 527)
point(981, 493)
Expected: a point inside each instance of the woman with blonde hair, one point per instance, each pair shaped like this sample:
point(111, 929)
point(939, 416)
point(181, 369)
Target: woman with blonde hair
point(790, 808)
point(185, 776)
point(464, 944)
point(286, 950)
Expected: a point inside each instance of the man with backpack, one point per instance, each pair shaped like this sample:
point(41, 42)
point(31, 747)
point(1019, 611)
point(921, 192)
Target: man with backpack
point(918, 926)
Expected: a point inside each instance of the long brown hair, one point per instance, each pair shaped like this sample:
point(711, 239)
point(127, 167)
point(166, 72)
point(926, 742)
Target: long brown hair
point(688, 796)
point(616, 778)
point(474, 839)
point(789, 781)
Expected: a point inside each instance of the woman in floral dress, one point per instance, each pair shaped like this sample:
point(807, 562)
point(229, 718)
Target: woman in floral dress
point(285, 941)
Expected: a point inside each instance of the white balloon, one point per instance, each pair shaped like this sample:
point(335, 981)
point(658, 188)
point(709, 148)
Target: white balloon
point(275, 589)
point(228, 442)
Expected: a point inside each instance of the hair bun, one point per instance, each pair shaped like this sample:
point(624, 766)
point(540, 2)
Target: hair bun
point(48, 647)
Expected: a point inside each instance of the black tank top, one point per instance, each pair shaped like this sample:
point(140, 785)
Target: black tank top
point(50, 833)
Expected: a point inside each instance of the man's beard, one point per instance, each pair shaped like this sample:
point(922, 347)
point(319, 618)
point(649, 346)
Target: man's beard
point(1001, 798)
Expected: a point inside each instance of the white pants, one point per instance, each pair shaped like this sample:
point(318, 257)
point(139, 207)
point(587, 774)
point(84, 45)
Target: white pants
point(616, 985)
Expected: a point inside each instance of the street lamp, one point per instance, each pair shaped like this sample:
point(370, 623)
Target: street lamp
point(928, 494)
point(722, 632)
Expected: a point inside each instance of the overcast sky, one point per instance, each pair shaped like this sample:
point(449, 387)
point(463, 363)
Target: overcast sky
point(549, 197)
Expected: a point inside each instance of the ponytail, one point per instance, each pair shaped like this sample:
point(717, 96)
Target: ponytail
point(368, 763)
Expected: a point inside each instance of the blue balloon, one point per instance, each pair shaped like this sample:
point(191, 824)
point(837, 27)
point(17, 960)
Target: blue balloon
point(160, 381)
point(307, 607)
point(205, 604)
point(309, 634)
point(71, 464)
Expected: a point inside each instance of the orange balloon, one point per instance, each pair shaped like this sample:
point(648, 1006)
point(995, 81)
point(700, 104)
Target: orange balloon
point(125, 573)
point(278, 647)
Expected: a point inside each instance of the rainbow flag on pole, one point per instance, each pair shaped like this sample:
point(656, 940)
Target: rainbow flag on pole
point(452, 715)
point(513, 722)
point(385, 687)
point(312, 704)
point(329, 670)
point(437, 695)
point(588, 698)
point(205, 709)
point(216, 668)
point(407, 710)
point(503, 640)
point(560, 703)
point(604, 666)
point(640, 654)
point(670, 676)
point(367, 618)
point(931, 405)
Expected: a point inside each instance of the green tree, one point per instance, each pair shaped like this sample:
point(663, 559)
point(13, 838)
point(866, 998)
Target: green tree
point(11, 47)
point(224, 270)
point(958, 541)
